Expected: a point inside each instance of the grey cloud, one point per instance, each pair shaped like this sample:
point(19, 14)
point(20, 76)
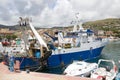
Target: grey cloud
point(58, 11)
point(20, 5)
point(35, 9)
point(51, 3)
point(4, 14)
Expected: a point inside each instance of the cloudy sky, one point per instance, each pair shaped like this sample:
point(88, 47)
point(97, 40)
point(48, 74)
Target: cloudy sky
point(57, 12)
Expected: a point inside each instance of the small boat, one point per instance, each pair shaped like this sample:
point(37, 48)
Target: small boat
point(80, 68)
point(107, 73)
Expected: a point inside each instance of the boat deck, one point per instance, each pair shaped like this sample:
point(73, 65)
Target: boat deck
point(5, 74)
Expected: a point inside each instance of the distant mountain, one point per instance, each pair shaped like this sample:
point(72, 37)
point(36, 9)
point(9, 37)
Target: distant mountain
point(14, 27)
point(3, 26)
point(98, 24)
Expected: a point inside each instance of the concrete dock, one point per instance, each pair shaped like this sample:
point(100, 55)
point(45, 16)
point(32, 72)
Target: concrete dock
point(5, 74)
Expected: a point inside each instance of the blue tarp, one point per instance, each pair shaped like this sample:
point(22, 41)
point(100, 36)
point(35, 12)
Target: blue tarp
point(37, 54)
point(89, 31)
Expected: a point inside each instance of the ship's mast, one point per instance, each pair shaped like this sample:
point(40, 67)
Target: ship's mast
point(26, 22)
point(23, 29)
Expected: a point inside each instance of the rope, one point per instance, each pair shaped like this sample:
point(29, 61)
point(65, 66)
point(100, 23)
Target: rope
point(21, 61)
point(37, 69)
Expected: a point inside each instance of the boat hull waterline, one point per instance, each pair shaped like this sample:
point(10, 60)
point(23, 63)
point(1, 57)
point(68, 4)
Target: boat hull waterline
point(62, 59)
point(65, 59)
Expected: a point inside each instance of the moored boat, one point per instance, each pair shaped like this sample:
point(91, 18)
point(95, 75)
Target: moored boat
point(106, 72)
point(80, 68)
point(76, 45)
point(79, 44)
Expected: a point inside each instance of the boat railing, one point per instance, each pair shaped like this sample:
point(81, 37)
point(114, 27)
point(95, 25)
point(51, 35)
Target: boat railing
point(103, 60)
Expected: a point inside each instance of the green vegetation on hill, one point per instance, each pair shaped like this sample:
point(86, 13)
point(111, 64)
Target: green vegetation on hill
point(111, 24)
point(104, 24)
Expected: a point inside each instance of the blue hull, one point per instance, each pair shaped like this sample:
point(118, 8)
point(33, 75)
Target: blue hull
point(27, 62)
point(58, 60)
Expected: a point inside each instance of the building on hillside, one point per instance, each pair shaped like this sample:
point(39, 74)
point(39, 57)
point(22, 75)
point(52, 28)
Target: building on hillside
point(109, 33)
point(101, 33)
point(5, 32)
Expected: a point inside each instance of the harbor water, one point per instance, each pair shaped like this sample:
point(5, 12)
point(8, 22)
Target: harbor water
point(110, 52)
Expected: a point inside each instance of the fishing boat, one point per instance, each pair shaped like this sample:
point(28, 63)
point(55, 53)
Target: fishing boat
point(29, 55)
point(80, 68)
point(79, 44)
point(106, 72)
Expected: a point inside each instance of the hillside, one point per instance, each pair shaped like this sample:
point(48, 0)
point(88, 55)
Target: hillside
point(106, 24)
point(111, 23)
point(10, 27)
